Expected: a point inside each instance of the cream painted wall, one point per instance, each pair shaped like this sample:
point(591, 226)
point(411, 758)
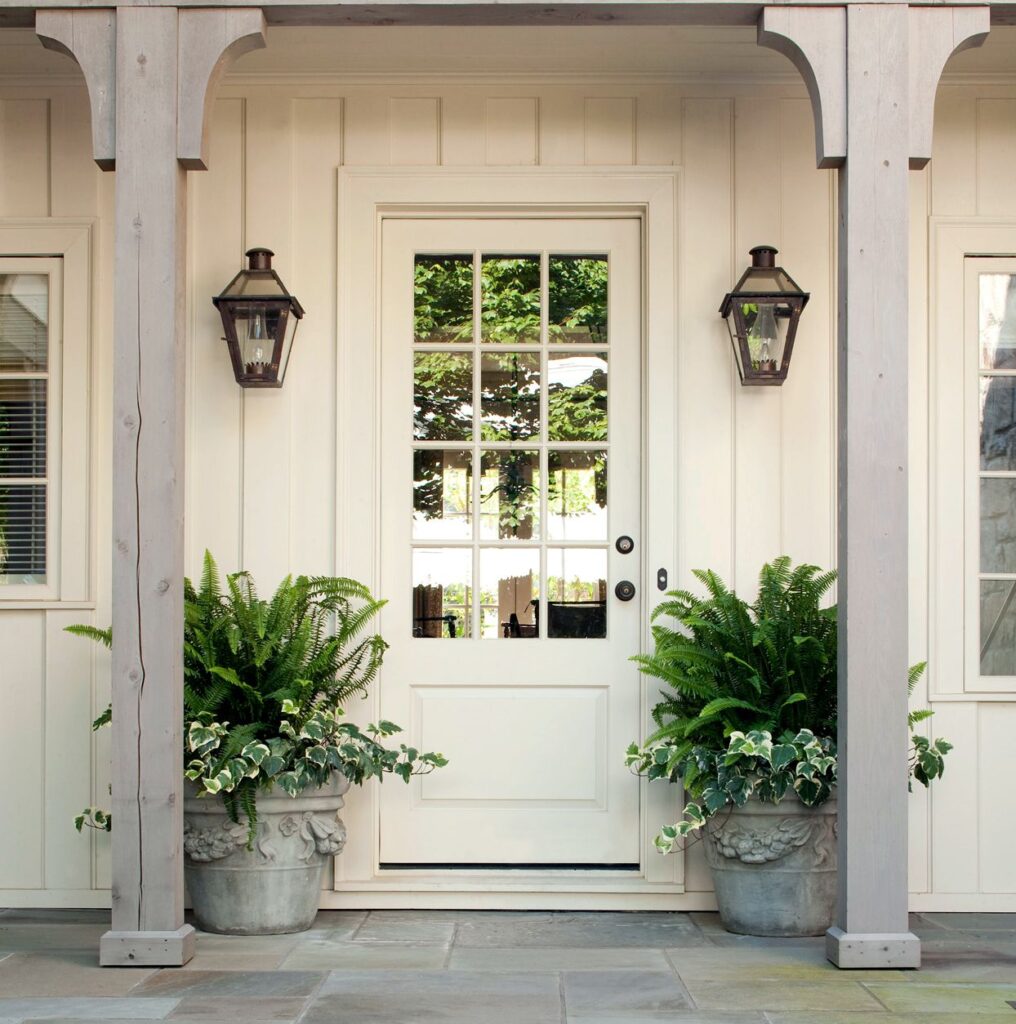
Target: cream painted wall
point(756, 467)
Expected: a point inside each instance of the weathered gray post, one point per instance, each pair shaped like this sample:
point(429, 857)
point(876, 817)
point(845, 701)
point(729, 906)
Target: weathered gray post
point(872, 71)
point(158, 63)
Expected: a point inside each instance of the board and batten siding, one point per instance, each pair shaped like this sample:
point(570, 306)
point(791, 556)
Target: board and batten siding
point(756, 469)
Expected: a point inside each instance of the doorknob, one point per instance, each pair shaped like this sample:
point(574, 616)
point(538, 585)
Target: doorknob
point(625, 590)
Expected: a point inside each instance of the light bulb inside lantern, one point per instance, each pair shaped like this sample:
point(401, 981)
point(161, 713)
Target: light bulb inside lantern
point(762, 338)
point(256, 336)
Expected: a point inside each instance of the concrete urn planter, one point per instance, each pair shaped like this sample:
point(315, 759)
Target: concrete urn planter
point(774, 867)
point(275, 886)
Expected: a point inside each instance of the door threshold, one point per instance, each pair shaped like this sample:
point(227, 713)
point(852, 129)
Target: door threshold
point(538, 868)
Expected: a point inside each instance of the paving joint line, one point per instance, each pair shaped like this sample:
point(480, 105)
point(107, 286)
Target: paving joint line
point(363, 921)
point(677, 974)
point(864, 985)
point(451, 946)
point(309, 999)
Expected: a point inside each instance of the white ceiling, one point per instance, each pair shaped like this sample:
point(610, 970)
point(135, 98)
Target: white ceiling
point(594, 52)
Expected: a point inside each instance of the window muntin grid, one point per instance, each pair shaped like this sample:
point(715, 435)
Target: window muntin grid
point(524, 380)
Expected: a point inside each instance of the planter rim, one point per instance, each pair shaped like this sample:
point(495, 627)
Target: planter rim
point(322, 798)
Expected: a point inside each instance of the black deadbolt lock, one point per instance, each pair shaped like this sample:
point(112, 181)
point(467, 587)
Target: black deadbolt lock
point(624, 544)
point(625, 590)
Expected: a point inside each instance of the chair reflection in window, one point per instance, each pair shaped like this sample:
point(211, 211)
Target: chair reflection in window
point(429, 619)
point(578, 620)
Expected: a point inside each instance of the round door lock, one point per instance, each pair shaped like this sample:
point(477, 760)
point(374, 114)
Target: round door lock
point(625, 590)
point(624, 544)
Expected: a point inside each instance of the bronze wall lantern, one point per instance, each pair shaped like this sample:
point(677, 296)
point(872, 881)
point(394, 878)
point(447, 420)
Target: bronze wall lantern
point(762, 314)
point(260, 318)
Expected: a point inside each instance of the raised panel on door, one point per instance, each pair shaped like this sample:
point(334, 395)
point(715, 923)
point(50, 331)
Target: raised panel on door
point(510, 462)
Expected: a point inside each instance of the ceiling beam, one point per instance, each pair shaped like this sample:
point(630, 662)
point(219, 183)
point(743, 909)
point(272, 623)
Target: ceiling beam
point(16, 14)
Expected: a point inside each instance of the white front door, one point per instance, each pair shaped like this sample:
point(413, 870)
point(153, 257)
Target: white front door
point(511, 510)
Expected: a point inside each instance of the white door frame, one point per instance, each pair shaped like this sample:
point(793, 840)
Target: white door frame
point(367, 196)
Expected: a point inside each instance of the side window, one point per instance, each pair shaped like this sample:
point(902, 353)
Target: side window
point(29, 426)
point(992, 475)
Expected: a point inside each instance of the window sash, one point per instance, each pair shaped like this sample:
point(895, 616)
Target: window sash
point(20, 586)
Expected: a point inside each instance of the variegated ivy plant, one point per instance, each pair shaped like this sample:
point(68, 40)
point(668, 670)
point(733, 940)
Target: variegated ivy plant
point(737, 675)
point(752, 765)
point(264, 685)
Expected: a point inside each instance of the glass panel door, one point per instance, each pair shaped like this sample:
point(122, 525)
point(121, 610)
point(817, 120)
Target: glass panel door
point(511, 426)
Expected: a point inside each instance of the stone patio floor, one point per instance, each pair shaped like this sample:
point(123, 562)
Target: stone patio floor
point(427, 967)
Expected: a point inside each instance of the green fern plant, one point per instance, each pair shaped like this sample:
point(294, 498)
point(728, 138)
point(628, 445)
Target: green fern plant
point(265, 682)
point(732, 666)
point(750, 705)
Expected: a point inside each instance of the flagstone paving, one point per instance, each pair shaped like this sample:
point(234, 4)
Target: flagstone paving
point(449, 967)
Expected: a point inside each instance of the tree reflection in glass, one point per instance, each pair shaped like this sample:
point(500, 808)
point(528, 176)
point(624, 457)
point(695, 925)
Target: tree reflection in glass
point(577, 495)
point(443, 299)
point(442, 396)
point(577, 291)
point(510, 304)
point(509, 396)
point(577, 396)
point(510, 495)
point(442, 483)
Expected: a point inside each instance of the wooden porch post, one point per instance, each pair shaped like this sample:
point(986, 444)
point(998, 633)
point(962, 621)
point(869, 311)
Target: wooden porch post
point(158, 63)
point(872, 71)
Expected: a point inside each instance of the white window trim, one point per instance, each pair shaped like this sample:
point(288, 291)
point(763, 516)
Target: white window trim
point(973, 268)
point(63, 249)
point(961, 248)
point(52, 269)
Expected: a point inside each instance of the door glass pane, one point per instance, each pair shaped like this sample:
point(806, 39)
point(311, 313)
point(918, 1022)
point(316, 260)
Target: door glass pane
point(22, 534)
point(576, 593)
point(577, 292)
point(509, 395)
point(509, 592)
point(443, 299)
point(998, 627)
point(443, 396)
point(442, 490)
point(998, 524)
point(998, 422)
point(577, 495)
point(510, 309)
point(510, 495)
point(442, 592)
point(577, 396)
point(24, 323)
point(23, 428)
point(998, 321)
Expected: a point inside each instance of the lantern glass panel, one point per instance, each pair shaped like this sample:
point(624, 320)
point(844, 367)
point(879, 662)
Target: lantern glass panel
point(767, 334)
point(265, 337)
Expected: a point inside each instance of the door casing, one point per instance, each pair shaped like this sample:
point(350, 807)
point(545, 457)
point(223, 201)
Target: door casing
point(367, 197)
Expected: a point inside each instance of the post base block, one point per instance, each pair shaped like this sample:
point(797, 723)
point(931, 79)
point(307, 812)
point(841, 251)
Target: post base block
point(873, 950)
point(147, 949)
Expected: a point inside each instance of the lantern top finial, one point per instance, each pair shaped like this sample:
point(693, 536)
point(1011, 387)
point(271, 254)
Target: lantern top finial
point(260, 258)
point(763, 256)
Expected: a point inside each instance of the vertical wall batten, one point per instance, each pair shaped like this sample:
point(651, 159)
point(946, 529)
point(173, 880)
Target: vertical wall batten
point(216, 440)
point(267, 412)
point(808, 406)
point(758, 219)
point(705, 367)
point(310, 381)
